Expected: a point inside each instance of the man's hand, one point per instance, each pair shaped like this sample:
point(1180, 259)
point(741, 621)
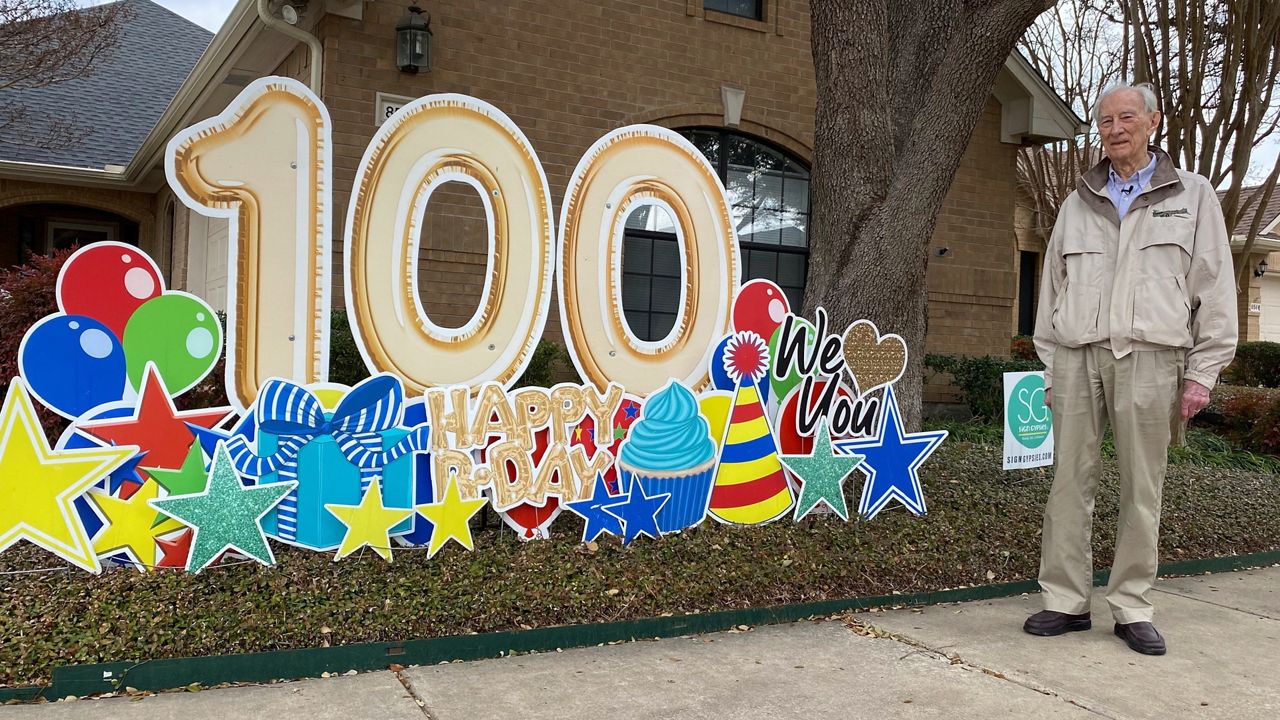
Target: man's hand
point(1048, 398)
point(1194, 398)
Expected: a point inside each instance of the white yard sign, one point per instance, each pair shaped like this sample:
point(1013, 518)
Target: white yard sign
point(1028, 423)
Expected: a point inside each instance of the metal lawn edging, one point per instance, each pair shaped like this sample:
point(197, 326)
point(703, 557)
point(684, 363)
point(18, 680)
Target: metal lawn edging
point(258, 667)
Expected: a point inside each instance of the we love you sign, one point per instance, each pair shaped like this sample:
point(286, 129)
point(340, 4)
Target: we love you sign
point(745, 413)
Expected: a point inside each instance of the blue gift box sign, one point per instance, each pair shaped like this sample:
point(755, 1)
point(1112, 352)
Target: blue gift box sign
point(325, 476)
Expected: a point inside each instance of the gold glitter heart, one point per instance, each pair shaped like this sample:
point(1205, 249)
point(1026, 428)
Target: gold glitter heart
point(875, 361)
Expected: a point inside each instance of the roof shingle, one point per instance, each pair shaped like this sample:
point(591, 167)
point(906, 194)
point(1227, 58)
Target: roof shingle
point(1246, 218)
point(116, 106)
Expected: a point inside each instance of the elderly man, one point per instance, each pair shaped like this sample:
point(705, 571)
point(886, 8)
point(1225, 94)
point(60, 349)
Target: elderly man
point(1137, 317)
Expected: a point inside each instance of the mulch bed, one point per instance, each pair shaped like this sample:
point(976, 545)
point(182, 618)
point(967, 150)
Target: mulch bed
point(982, 527)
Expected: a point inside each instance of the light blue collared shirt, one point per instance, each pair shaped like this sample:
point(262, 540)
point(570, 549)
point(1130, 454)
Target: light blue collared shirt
point(1123, 192)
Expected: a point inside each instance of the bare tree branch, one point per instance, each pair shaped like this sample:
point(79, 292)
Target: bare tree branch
point(45, 42)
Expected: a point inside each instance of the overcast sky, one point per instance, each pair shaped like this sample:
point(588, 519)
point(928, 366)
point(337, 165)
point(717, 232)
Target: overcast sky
point(206, 13)
point(211, 13)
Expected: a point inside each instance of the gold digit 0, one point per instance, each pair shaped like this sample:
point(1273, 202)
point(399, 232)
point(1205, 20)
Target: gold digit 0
point(630, 167)
point(265, 164)
point(436, 139)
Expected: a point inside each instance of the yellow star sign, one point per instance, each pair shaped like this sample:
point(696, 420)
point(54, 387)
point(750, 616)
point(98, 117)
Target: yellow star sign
point(129, 525)
point(368, 523)
point(38, 486)
point(449, 517)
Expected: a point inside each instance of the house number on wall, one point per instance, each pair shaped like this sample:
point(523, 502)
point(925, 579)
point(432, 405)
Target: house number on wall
point(385, 105)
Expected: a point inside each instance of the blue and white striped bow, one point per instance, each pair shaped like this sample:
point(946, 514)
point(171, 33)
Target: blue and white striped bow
point(295, 416)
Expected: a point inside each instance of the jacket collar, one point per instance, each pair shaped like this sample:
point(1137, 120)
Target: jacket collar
point(1092, 186)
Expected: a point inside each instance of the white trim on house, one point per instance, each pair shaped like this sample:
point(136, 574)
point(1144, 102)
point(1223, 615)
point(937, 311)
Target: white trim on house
point(1031, 112)
point(1260, 244)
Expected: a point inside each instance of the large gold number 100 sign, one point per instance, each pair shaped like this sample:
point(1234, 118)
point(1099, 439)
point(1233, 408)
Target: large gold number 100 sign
point(266, 164)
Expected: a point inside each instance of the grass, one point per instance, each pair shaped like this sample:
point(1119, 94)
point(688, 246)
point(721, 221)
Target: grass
point(983, 526)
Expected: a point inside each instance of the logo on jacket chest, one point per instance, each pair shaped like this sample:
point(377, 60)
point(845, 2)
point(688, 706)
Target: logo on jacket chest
point(1180, 212)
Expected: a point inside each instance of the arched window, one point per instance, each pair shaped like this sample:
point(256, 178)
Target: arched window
point(768, 189)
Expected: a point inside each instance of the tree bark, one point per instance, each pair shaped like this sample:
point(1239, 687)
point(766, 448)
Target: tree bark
point(901, 87)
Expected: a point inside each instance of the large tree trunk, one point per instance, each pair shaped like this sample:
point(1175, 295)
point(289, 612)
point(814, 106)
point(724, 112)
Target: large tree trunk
point(900, 89)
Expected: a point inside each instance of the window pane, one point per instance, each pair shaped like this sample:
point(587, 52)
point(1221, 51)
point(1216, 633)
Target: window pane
point(660, 325)
point(739, 185)
point(637, 255)
point(764, 230)
point(635, 293)
point(666, 294)
point(639, 322)
point(741, 150)
point(791, 269)
point(769, 200)
point(708, 143)
point(762, 264)
point(769, 190)
point(666, 258)
point(795, 297)
point(744, 8)
point(796, 196)
point(794, 231)
point(638, 218)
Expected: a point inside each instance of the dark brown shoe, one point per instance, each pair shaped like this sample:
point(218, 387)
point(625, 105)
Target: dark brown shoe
point(1141, 637)
point(1048, 623)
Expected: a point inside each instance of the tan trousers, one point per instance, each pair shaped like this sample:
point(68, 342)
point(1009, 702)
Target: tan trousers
point(1138, 394)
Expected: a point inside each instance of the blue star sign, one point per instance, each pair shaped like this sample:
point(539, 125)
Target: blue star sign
point(891, 462)
point(599, 520)
point(639, 512)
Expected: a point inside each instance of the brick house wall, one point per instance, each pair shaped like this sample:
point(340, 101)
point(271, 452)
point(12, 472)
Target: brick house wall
point(654, 61)
point(650, 61)
point(973, 287)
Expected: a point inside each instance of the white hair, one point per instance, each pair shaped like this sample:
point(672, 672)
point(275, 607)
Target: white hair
point(1146, 90)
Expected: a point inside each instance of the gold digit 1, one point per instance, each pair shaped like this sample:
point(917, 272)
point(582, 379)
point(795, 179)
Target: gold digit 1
point(265, 164)
point(626, 169)
point(433, 140)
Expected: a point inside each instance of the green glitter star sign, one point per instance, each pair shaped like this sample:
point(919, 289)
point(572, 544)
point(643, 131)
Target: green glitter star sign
point(822, 475)
point(226, 515)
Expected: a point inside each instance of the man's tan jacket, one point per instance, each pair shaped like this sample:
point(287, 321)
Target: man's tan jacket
point(1162, 278)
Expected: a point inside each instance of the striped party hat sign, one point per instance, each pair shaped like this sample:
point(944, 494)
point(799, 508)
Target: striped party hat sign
point(750, 485)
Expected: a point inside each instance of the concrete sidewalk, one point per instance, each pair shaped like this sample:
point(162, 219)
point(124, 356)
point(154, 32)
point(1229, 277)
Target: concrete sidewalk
point(955, 661)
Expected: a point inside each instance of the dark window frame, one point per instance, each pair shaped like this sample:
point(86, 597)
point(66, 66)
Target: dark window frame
point(712, 6)
point(745, 247)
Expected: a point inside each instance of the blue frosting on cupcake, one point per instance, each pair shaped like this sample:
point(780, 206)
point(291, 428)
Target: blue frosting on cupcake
point(671, 434)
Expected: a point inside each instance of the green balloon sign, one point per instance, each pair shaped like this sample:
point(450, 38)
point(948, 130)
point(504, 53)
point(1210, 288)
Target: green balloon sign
point(1029, 419)
point(780, 388)
point(179, 333)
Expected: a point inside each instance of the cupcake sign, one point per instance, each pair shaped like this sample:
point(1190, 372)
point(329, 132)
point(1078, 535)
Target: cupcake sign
point(745, 414)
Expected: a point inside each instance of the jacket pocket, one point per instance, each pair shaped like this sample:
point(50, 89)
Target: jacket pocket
point(1162, 312)
point(1085, 259)
point(1165, 248)
point(1075, 317)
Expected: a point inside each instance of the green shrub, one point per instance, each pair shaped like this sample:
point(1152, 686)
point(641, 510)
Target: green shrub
point(1248, 417)
point(346, 366)
point(981, 379)
point(1256, 364)
point(544, 366)
point(27, 294)
point(210, 392)
point(1023, 348)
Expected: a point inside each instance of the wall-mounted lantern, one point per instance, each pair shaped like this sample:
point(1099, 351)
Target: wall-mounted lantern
point(413, 41)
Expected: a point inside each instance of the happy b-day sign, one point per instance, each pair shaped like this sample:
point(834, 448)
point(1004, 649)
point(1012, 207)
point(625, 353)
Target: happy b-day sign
point(745, 413)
